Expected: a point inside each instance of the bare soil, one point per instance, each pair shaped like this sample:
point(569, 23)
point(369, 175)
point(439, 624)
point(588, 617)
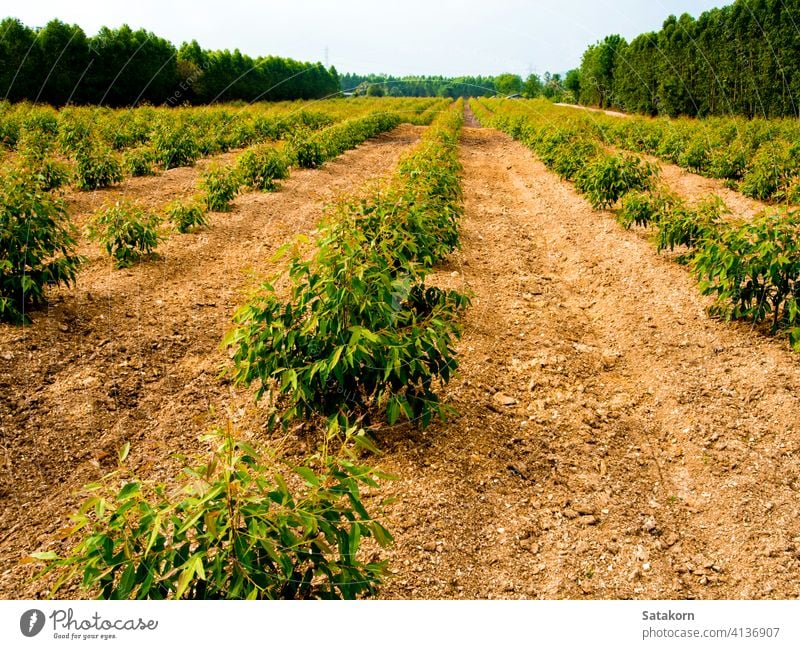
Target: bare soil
point(646, 450)
point(612, 442)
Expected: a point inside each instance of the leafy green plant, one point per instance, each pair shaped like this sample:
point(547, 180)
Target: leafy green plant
point(240, 526)
point(260, 167)
point(126, 231)
point(175, 145)
point(36, 245)
point(360, 328)
point(187, 215)
point(220, 186)
point(771, 171)
point(570, 158)
point(305, 149)
point(139, 161)
point(645, 208)
point(608, 178)
point(683, 225)
point(753, 270)
point(96, 166)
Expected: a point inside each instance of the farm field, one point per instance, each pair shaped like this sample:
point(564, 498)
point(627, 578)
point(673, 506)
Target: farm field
point(609, 438)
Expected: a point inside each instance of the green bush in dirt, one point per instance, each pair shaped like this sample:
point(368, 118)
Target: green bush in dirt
point(728, 162)
point(242, 525)
point(219, 186)
point(696, 156)
point(353, 335)
point(260, 167)
point(305, 149)
point(570, 158)
point(175, 145)
point(74, 130)
point(753, 270)
point(139, 161)
point(771, 171)
point(684, 225)
point(644, 208)
point(96, 167)
point(608, 178)
point(673, 144)
point(187, 215)
point(49, 174)
point(126, 231)
point(36, 245)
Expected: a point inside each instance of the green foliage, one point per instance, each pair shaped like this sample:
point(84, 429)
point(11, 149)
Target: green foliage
point(239, 526)
point(608, 178)
point(569, 158)
point(139, 161)
point(175, 145)
point(771, 171)
point(305, 149)
point(753, 270)
point(261, 166)
point(644, 208)
point(361, 329)
point(186, 215)
point(96, 167)
point(36, 245)
point(682, 225)
point(50, 174)
point(126, 231)
point(220, 186)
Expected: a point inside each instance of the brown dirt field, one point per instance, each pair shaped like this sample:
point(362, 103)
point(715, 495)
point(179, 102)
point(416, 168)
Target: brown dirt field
point(612, 442)
point(647, 451)
point(133, 355)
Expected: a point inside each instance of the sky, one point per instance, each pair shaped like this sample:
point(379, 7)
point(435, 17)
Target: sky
point(447, 37)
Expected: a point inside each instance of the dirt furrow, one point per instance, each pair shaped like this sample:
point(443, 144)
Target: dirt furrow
point(613, 441)
point(133, 355)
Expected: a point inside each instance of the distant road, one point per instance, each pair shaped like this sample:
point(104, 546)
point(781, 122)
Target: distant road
point(613, 113)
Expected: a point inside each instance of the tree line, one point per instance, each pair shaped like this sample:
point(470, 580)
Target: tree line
point(550, 86)
point(59, 64)
point(740, 59)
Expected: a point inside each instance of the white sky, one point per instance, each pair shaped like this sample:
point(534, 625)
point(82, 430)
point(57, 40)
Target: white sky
point(394, 37)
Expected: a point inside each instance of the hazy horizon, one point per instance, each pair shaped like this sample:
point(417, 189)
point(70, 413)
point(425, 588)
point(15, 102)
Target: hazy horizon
point(407, 38)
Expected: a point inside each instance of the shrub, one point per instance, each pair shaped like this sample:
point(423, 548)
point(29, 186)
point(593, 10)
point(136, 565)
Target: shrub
point(570, 158)
point(644, 208)
point(305, 150)
point(126, 231)
point(753, 270)
point(220, 186)
point(354, 333)
point(609, 177)
point(96, 167)
point(234, 528)
point(36, 245)
point(771, 171)
point(259, 168)
point(187, 215)
point(139, 161)
point(174, 145)
point(682, 225)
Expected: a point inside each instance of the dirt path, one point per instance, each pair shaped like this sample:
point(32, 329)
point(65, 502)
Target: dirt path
point(133, 355)
point(646, 451)
point(613, 113)
point(694, 188)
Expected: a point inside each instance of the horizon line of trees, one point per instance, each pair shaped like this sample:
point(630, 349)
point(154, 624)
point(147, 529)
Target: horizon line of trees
point(551, 86)
point(59, 64)
point(741, 59)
